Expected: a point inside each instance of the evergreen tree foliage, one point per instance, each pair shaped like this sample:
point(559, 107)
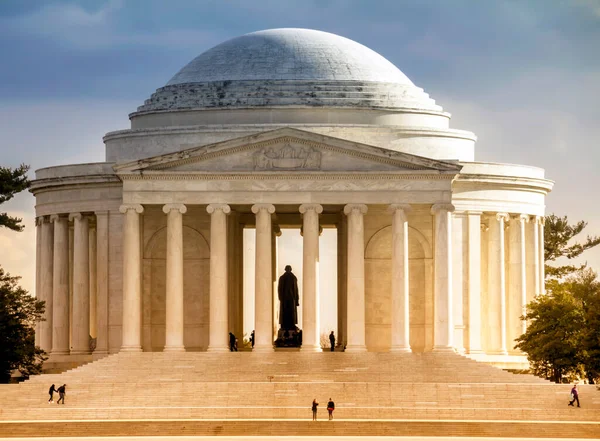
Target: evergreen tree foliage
point(557, 237)
point(552, 338)
point(12, 181)
point(19, 313)
point(563, 336)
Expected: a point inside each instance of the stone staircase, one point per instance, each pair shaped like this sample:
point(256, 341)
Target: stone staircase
point(253, 393)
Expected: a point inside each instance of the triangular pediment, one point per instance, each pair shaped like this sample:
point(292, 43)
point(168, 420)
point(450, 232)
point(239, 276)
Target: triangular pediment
point(287, 150)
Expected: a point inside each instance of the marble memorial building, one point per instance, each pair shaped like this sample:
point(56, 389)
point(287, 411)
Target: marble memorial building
point(288, 128)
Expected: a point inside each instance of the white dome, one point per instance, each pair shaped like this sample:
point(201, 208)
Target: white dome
point(288, 68)
point(290, 54)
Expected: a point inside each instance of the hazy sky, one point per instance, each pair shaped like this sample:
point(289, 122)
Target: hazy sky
point(523, 75)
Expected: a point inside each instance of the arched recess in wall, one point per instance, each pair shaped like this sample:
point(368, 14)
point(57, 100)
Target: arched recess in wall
point(196, 267)
point(378, 282)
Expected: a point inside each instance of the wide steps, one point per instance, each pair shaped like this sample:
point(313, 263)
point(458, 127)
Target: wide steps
point(274, 428)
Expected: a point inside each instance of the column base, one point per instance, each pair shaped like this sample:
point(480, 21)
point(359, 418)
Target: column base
point(311, 348)
point(80, 352)
point(174, 349)
point(60, 352)
point(263, 348)
point(218, 349)
point(446, 349)
point(497, 352)
point(356, 348)
point(130, 349)
point(401, 349)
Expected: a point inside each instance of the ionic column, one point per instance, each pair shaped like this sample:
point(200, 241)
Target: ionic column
point(81, 285)
point(217, 340)
point(517, 276)
point(132, 266)
point(47, 283)
point(263, 293)
point(535, 242)
point(474, 280)
point(174, 280)
point(400, 279)
point(93, 286)
point(356, 277)
point(60, 286)
point(443, 332)
point(101, 282)
point(38, 273)
point(310, 277)
point(497, 285)
point(542, 258)
point(342, 265)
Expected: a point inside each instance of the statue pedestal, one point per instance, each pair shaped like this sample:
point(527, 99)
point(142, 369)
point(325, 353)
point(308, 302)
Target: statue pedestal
point(289, 338)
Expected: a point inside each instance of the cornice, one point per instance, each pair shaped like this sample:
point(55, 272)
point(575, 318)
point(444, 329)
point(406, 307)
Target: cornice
point(40, 185)
point(506, 182)
point(263, 128)
point(296, 176)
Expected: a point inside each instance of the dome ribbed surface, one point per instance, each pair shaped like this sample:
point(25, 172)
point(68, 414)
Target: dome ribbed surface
point(290, 54)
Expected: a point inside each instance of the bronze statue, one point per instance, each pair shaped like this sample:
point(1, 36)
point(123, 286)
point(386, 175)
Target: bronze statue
point(288, 299)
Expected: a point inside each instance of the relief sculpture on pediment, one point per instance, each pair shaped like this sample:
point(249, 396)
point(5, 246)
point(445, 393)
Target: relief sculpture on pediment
point(288, 157)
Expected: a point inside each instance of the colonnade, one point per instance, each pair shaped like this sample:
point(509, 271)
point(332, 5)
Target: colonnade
point(499, 259)
point(72, 275)
point(76, 294)
point(218, 327)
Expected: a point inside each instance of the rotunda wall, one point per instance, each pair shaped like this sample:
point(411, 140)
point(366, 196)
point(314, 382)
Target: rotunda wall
point(450, 144)
point(295, 115)
point(494, 187)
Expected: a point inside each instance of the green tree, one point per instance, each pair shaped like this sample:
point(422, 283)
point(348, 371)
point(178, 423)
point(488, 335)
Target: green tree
point(12, 181)
point(585, 289)
point(18, 314)
point(557, 237)
point(552, 339)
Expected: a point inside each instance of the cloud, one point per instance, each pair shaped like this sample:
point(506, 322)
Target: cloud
point(73, 26)
point(592, 6)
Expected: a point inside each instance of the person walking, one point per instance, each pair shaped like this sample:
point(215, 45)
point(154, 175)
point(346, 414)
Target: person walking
point(314, 409)
point(62, 391)
point(231, 341)
point(574, 396)
point(332, 341)
point(252, 338)
point(51, 392)
point(330, 408)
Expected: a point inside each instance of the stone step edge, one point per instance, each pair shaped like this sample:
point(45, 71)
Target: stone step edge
point(516, 429)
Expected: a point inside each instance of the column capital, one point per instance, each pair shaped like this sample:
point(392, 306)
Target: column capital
point(318, 208)
point(541, 220)
point(39, 220)
point(270, 208)
point(126, 207)
point(521, 217)
point(484, 227)
point(436, 208)
point(406, 208)
point(73, 216)
point(502, 217)
point(211, 208)
point(170, 207)
point(353, 208)
point(57, 217)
